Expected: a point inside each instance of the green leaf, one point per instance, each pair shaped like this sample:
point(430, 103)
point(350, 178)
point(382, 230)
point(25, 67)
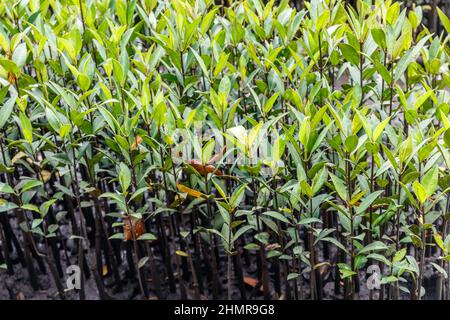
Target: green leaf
point(323, 20)
point(224, 211)
point(390, 157)
point(30, 207)
point(223, 59)
point(124, 176)
point(346, 273)
point(430, 180)
point(5, 188)
point(292, 275)
point(207, 151)
point(201, 63)
point(20, 55)
point(138, 192)
point(440, 270)
point(207, 21)
point(409, 195)
point(117, 236)
point(368, 201)
point(27, 129)
point(351, 142)
point(420, 191)
point(117, 197)
point(263, 237)
point(118, 72)
point(142, 262)
point(159, 113)
point(36, 223)
point(399, 255)
point(422, 98)
point(380, 127)
point(83, 81)
point(409, 57)
point(319, 180)
point(306, 188)
point(219, 189)
point(241, 231)
point(225, 86)
point(237, 195)
point(147, 236)
point(393, 13)
point(350, 54)
point(439, 242)
point(447, 137)
point(6, 206)
point(52, 228)
point(131, 5)
point(304, 132)
point(43, 209)
point(444, 19)
point(383, 71)
point(6, 110)
point(339, 186)
point(388, 279)
point(214, 231)
point(374, 246)
point(336, 243)
point(109, 118)
point(270, 102)
point(379, 257)
point(10, 66)
point(365, 124)
point(379, 37)
point(30, 184)
point(277, 216)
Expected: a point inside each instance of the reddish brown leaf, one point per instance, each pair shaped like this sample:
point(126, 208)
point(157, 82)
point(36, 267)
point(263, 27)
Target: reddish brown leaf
point(252, 282)
point(217, 157)
point(136, 224)
point(204, 169)
point(272, 246)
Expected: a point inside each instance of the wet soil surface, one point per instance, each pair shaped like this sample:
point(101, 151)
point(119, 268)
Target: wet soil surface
point(17, 287)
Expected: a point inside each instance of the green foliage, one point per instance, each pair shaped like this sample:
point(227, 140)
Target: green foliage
point(356, 103)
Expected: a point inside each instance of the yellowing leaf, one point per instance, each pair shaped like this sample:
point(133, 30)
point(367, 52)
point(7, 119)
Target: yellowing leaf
point(439, 242)
point(17, 156)
point(189, 191)
point(46, 175)
point(420, 191)
point(181, 253)
point(137, 141)
point(379, 129)
point(105, 270)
